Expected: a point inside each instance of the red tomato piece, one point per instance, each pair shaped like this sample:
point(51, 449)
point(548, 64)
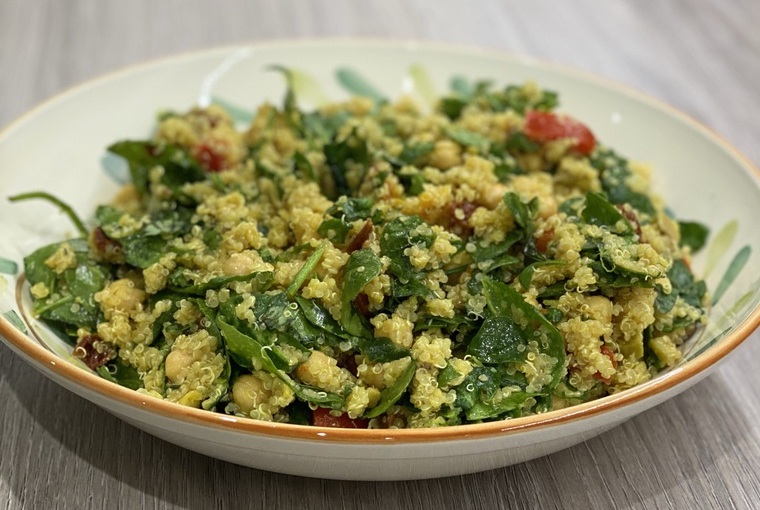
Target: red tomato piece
point(544, 127)
point(209, 157)
point(324, 418)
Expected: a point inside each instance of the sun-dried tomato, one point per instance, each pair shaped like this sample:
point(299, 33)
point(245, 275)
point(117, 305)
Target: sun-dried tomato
point(360, 238)
point(93, 351)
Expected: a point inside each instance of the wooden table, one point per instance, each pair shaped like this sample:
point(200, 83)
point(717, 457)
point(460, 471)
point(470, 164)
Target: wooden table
point(699, 450)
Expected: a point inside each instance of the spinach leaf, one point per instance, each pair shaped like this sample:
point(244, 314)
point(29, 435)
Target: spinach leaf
point(362, 266)
point(392, 393)
point(398, 235)
point(70, 300)
point(519, 143)
point(142, 156)
point(321, 318)
point(334, 229)
point(477, 395)
point(613, 173)
point(121, 373)
point(493, 409)
point(523, 212)
point(452, 107)
point(469, 138)
point(260, 281)
point(381, 350)
point(150, 242)
point(685, 285)
point(302, 166)
point(599, 211)
point(616, 277)
point(499, 340)
point(272, 310)
point(693, 234)
point(338, 155)
point(504, 301)
point(497, 255)
point(412, 154)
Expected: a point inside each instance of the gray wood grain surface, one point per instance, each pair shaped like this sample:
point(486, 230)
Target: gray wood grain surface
point(699, 450)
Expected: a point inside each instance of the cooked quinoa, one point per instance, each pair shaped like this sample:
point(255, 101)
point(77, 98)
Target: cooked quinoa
point(370, 264)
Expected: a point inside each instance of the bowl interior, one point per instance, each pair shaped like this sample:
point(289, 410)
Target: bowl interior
point(60, 148)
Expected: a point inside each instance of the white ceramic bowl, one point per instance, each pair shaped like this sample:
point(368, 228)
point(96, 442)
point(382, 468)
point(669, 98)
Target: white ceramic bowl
point(60, 147)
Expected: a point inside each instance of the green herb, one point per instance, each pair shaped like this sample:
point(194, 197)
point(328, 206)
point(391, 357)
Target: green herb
point(308, 267)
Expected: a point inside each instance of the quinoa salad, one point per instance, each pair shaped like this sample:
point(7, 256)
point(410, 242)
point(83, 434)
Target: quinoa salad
point(372, 264)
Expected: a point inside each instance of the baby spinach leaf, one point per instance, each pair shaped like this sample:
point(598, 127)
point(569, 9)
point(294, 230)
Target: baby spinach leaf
point(447, 375)
point(392, 393)
point(664, 303)
point(70, 300)
point(260, 280)
point(452, 107)
point(693, 234)
point(499, 340)
point(334, 229)
point(523, 212)
point(339, 154)
point(381, 350)
point(494, 408)
point(519, 143)
point(398, 235)
point(504, 301)
point(413, 153)
point(321, 318)
point(614, 173)
point(142, 156)
point(616, 277)
point(360, 269)
point(685, 285)
point(121, 373)
point(469, 138)
point(272, 310)
point(599, 211)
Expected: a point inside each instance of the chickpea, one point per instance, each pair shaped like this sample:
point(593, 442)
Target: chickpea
point(248, 392)
point(491, 196)
point(176, 361)
point(318, 363)
point(600, 308)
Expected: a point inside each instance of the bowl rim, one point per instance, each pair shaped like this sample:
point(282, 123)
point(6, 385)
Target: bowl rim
point(47, 361)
